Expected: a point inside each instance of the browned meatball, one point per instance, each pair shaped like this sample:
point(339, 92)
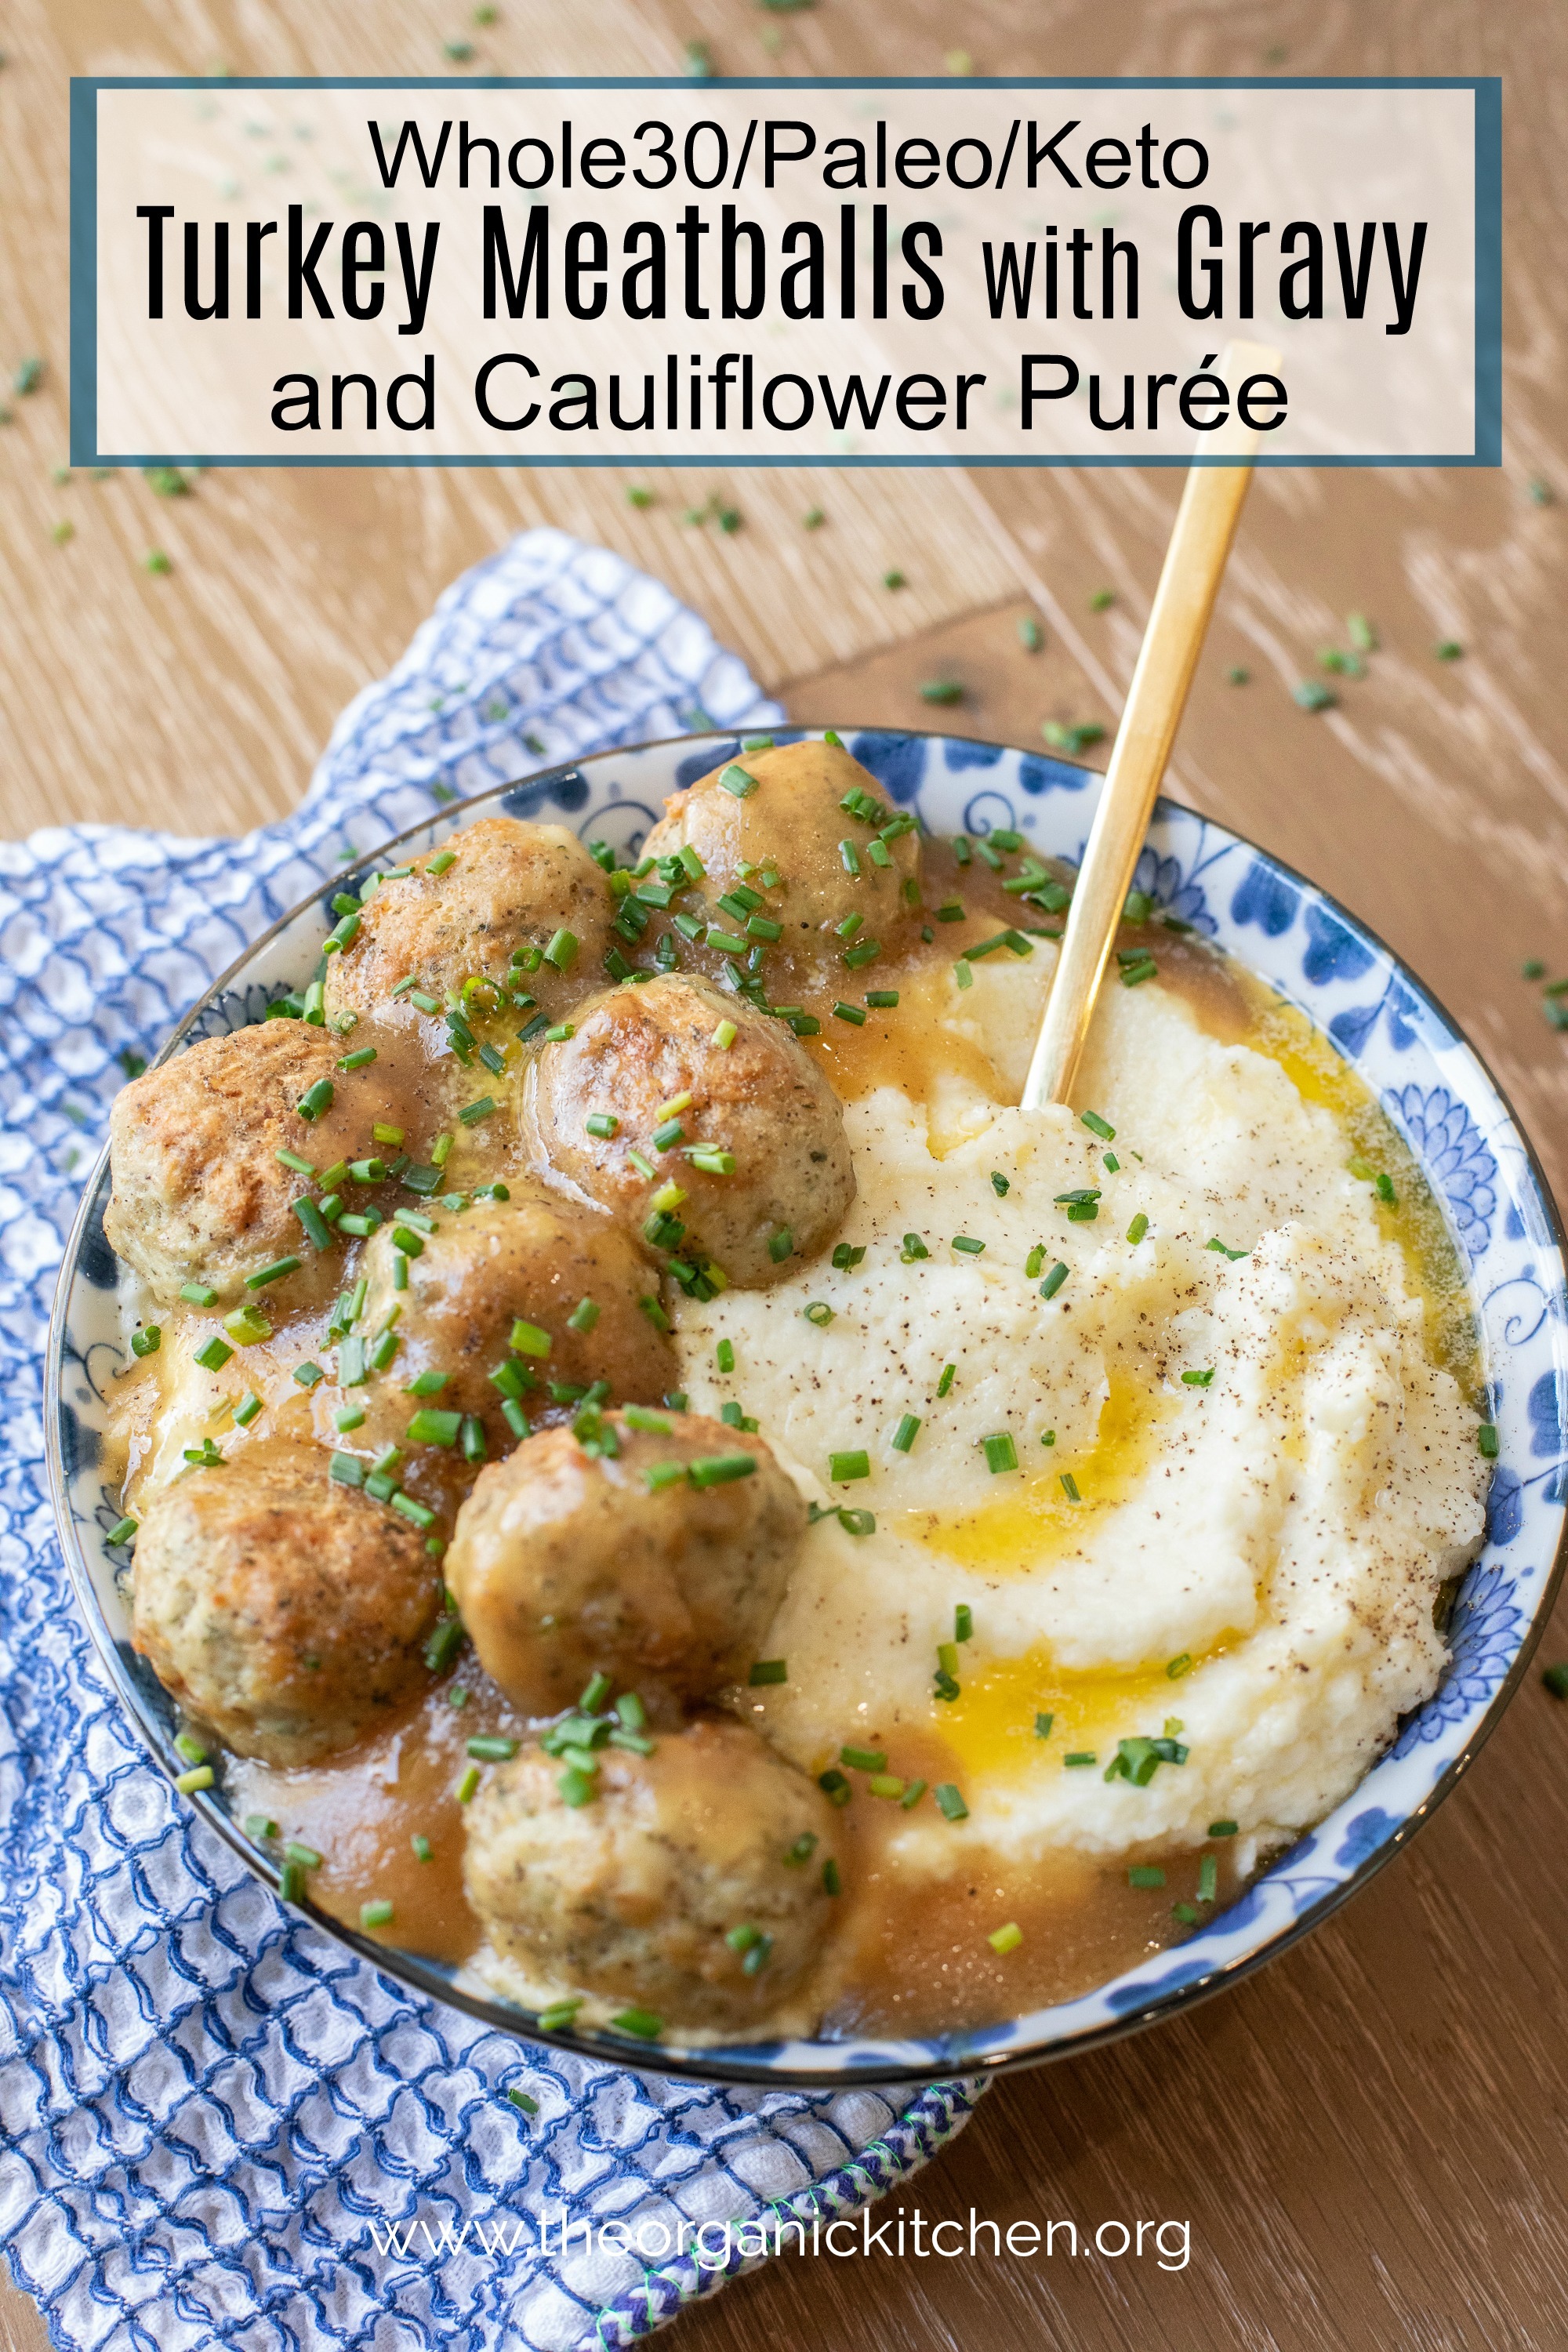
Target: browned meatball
point(793, 825)
point(200, 1194)
point(287, 1611)
point(509, 887)
point(762, 1100)
point(635, 1896)
point(566, 1565)
point(537, 1258)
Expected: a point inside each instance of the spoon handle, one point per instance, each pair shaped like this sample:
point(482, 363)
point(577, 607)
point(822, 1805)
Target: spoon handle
point(1189, 583)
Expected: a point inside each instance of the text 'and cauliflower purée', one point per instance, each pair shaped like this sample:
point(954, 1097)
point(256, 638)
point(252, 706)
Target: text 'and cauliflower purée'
point(655, 1482)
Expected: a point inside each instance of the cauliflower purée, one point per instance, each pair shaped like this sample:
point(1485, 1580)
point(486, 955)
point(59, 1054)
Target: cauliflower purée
point(1241, 1479)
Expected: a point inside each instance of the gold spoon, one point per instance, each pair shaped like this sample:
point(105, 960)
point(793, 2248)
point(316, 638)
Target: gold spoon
point(1189, 583)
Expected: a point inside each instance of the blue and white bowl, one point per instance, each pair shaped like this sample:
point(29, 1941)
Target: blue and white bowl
point(1435, 1086)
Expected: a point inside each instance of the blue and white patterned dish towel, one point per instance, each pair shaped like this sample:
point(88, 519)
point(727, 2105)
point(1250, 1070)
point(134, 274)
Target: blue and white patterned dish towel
point(216, 2125)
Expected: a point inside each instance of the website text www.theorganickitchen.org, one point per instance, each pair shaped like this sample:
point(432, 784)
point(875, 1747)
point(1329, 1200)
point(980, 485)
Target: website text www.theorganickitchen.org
point(717, 2245)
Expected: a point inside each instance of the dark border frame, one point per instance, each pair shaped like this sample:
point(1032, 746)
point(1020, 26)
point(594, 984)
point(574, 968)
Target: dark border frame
point(1485, 88)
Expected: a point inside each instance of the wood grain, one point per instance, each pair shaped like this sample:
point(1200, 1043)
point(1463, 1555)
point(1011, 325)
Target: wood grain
point(1368, 2136)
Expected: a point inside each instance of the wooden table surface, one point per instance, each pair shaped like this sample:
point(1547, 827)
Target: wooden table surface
point(1368, 2138)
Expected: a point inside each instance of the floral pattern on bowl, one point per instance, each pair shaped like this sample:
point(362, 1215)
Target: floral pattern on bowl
point(1434, 1086)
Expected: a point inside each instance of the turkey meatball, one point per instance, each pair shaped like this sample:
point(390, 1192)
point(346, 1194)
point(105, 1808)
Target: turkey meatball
point(562, 1268)
point(511, 887)
point(793, 823)
point(566, 1563)
point(692, 1886)
point(200, 1194)
point(284, 1610)
point(780, 1179)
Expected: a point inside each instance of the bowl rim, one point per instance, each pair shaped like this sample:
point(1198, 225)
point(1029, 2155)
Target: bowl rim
point(408, 1971)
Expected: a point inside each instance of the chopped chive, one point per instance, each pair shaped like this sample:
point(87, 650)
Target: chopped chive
point(1079, 1755)
point(641, 2023)
point(361, 1060)
point(318, 1233)
point(199, 1777)
point(1208, 1878)
point(962, 976)
point(488, 1748)
point(768, 1670)
point(842, 1469)
point(438, 866)
point(1007, 1938)
point(1199, 1379)
point(273, 1273)
point(602, 1123)
point(293, 1159)
point(562, 950)
point(719, 1469)
point(198, 1293)
point(473, 1113)
point(213, 1354)
point(1043, 1726)
point(638, 1416)
point(121, 1532)
point(963, 1622)
point(1069, 1488)
point(906, 1434)
point(584, 1315)
point(781, 1245)
point(1001, 1454)
point(1145, 1874)
point(430, 1427)
point(316, 1100)
point(378, 1913)
point(724, 1035)
point(351, 1417)
point(246, 1411)
point(147, 1341)
point(1138, 1228)
point(1097, 1126)
point(950, 1804)
point(967, 1244)
point(835, 1787)
point(1222, 1829)
point(528, 1339)
point(948, 1373)
point(818, 1312)
point(850, 1013)
point(468, 1787)
point(863, 1760)
point(1487, 1441)
point(645, 1168)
